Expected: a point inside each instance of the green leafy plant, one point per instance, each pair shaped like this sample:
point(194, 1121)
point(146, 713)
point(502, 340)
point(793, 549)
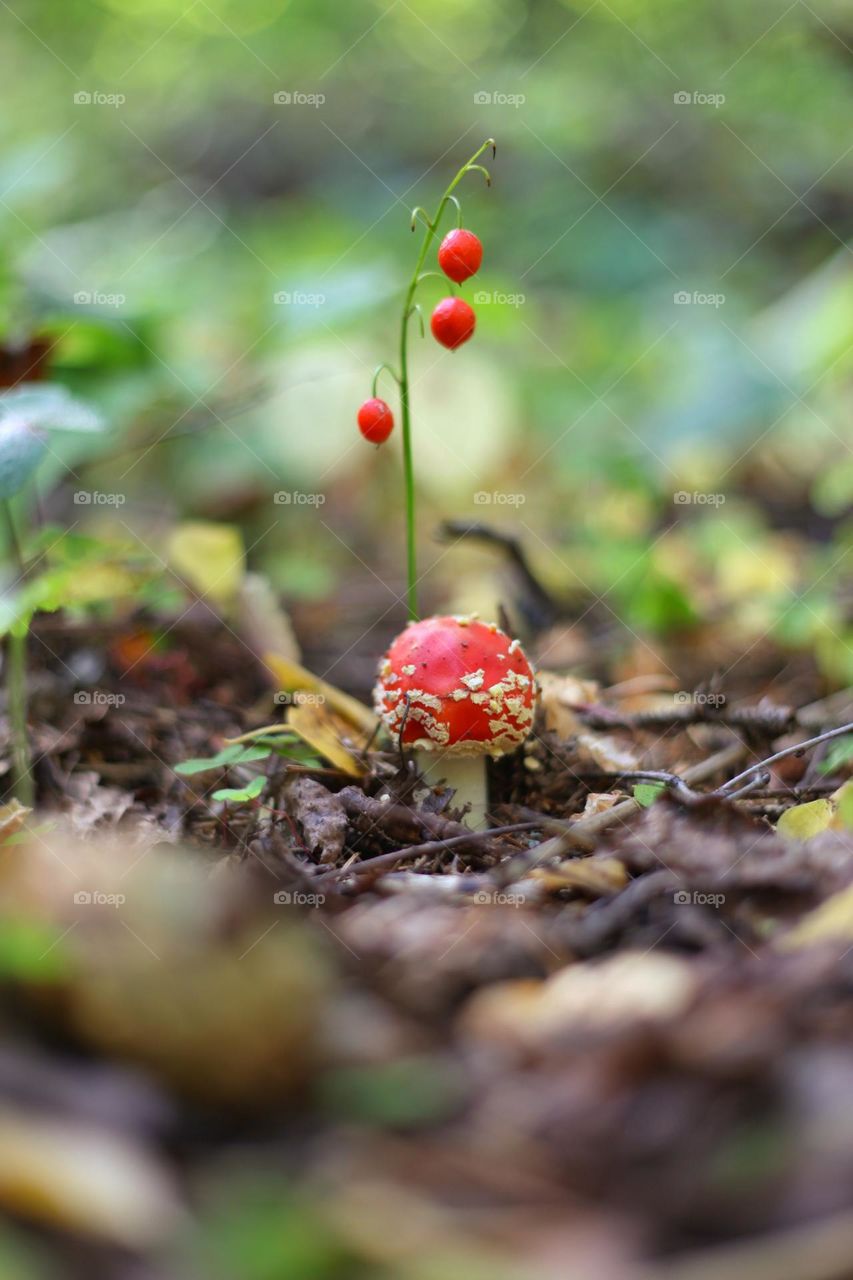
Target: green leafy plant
point(452, 324)
point(27, 417)
point(252, 750)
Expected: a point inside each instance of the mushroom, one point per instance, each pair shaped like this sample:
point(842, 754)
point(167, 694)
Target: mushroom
point(456, 690)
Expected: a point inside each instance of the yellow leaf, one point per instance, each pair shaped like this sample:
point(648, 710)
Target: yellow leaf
point(209, 557)
point(290, 677)
point(327, 732)
point(843, 798)
point(832, 920)
point(806, 820)
point(93, 583)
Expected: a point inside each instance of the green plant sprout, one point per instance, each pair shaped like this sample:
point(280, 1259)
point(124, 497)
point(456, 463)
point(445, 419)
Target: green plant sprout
point(27, 415)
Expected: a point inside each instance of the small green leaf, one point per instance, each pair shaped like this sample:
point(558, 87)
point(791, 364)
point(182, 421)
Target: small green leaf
point(235, 754)
point(235, 795)
point(838, 754)
point(645, 793)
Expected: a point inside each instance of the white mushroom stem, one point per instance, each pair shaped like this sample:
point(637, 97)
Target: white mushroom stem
point(466, 774)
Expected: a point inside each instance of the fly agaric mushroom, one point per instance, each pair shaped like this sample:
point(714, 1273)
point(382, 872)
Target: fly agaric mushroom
point(456, 690)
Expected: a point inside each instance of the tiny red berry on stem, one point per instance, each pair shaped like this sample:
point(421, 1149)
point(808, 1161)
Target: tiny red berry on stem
point(375, 420)
point(452, 322)
point(460, 254)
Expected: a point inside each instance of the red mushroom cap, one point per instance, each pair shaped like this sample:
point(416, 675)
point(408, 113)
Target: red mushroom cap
point(468, 687)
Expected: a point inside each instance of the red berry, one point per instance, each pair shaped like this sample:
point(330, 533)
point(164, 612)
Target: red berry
point(375, 421)
point(460, 254)
point(452, 322)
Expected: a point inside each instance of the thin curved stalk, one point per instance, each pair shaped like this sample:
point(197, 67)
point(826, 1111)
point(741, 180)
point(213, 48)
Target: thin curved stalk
point(405, 405)
point(16, 686)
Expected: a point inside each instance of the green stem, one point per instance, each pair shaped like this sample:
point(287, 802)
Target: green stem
point(16, 694)
point(16, 686)
point(405, 406)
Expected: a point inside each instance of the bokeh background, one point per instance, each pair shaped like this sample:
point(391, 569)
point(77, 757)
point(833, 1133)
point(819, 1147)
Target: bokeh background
point(206, 206)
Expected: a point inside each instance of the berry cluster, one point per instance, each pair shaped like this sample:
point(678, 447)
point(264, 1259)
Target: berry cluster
point(452, 322)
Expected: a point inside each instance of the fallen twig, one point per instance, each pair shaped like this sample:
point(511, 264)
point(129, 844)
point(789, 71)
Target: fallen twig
point(432, 848)
point(581, 834)
point(799, 749)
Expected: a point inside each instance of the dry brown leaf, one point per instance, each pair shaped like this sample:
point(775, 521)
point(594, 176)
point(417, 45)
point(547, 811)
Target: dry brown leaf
point(583, 998)
point(595, 876)
point(320, 814)
point(600, 802)
point(609, 752)
point(557, 695)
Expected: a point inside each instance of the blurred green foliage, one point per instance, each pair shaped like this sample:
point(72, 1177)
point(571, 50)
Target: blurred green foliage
point(647, 152)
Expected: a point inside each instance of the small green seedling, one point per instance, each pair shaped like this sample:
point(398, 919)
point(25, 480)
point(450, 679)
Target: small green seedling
point(28, 415)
